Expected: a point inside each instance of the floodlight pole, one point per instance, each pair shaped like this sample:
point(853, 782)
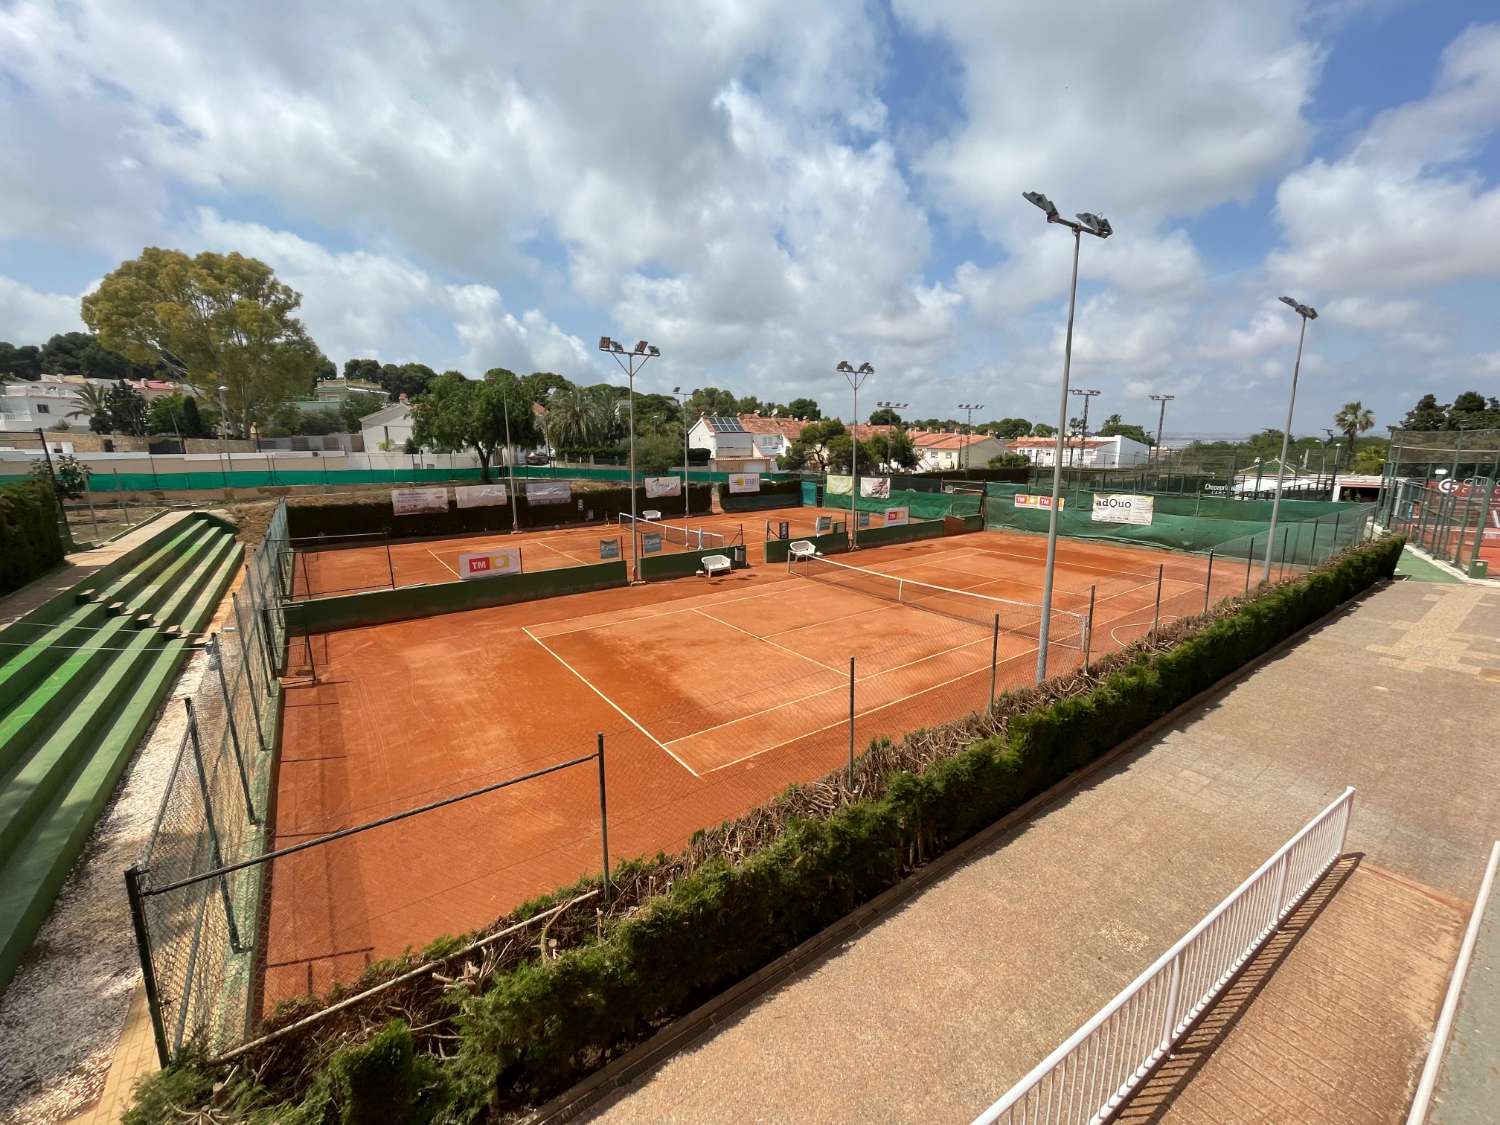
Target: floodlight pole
point(1099, 228)
point(968, 457)
point(857, 377)
point(677, 392)
point(888, 427)
point(1306, 313)
point(1083, 433)
point(634, 360)
point(515, 522)
point(1161, 421)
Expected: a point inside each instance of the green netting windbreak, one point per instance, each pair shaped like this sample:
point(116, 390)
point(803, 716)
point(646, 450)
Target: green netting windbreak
point(1191, 523)
point(922, 505)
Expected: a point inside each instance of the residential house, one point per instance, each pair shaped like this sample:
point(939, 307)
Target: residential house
point(1116, 452)
point(731, 447)
point(48, 403)
point(387, 429)
point(945, 452)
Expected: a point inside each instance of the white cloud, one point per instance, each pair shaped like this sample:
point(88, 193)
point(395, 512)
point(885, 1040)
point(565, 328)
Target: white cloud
point(28, 316)
point(1396, 211)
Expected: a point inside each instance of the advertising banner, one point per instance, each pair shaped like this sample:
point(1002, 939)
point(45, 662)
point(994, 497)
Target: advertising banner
point(489, 564)
point(410, 501)
point(837, 485)
point(822, 525)
point(651, 543)
point(744, 482)
point(897, 517)
point(663, 486)
point(878, 487)
point(609, 548)
point(481, 495)
point(548, 492)
point(864, 519)
point(1123, 507)
point(1029, 500)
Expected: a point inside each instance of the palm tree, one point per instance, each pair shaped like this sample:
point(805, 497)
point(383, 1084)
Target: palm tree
point(94, 400)
point(1353, 419)
point(578, 419)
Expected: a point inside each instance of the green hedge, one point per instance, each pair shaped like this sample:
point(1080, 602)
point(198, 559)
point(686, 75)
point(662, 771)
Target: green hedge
point(772, 494)
point(540, 1026)
point(373, 516)
point(30, 541)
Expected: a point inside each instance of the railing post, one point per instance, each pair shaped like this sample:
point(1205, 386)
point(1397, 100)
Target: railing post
point(603, 819)
point(1174, 994)
point(1088, 629)
point(1249, 562)
point(1280, 887)
point(1156, 613)
point(851, 724)
point(389, 565)
point(248, 665)
point(1208, 580)
point(994, 658)
point(148, 967)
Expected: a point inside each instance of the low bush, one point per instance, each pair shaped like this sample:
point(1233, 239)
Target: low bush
point(748, 891)
point(31, 542)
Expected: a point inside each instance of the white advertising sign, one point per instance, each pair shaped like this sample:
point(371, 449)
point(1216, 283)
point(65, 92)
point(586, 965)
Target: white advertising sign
point(481, 495)
point(839, 485)
point(657, 487)
point(548, 492)
point(489, 564)
point(878, 487)
point(744, 482)
point(410, 501)
point(1123, 507)
point(896, 517)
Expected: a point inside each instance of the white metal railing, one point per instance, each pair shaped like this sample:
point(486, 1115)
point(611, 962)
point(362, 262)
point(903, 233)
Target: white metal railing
point(1086, 1078)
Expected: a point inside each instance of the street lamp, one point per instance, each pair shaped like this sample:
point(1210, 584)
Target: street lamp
point(968, 408)
point(856, 377)
point(884, 405)
point(1161, 420)
point(1086, 395)
point(1098, 227)
point(678, 392)
point(630, 362)
point(1306, 313)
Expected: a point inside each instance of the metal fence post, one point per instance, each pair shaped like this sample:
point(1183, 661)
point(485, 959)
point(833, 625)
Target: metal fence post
point(1335, 532)
point(851, 722)
point(235, 604)
point(1156, 613)
point(1208, 579)
point(1463, 525)
point(994, 658)
point(389, 565)
point(148, 967)
point(1281, 572)
point(1174, 993)
point(248, 665)
point(603, 819)
point(216, 658)
point(1088, 628)
point(1249, 562)
point(213, 831)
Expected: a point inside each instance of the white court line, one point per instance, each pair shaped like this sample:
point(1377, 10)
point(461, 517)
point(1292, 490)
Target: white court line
point(629, 718)
point(557, 550)
point(825, 691)
point(764, 640)
point(730, 597)
point(434, 554)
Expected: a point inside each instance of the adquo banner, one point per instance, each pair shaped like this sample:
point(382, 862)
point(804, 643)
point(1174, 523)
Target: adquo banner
point(1123, 507)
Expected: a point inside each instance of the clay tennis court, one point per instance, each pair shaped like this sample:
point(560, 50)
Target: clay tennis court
point(712, 695)
point(358, 563)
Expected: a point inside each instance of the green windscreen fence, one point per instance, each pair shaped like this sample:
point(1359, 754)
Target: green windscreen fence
point(1307, 530)
point(922, 505)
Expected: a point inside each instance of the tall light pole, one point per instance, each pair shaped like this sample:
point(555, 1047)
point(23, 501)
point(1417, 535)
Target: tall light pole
point(1083, 434)
point(1306, 313)
point(678, 392)
point(630, 362)
point(890, 406)
point(223, 430)
point(1161, 421)
point(968, 408)
point(510, 468)
point(856, 377)
point(1099, 227)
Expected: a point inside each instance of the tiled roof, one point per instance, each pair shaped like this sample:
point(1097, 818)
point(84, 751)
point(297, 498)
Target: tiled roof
point(788, 428)
point(933, 440)
point(723, 423)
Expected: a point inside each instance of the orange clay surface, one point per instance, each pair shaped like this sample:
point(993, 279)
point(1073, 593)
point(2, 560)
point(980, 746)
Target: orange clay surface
point(343, 570)
point(712, 695)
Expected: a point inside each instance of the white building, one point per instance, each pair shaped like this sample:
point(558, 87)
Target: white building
point(47, 404)
point(942, 452)
point(731, 447)
point(387, 429)
point(1117, 452)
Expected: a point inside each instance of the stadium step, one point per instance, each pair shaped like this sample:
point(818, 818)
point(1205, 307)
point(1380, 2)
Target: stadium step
point(32, 780)
point(39, 863)
point(206, 584)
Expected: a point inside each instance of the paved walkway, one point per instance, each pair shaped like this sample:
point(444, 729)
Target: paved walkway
point(933, 1013)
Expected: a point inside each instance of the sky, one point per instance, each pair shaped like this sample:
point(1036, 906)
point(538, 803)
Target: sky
point(764, 188)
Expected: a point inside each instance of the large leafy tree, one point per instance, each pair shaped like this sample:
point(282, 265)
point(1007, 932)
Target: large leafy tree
point(1113, 425)
point(1428, 414)
point(23, 362)
point(212, 320)
point(712, 400)
point(804, 408)
point(1353, 419)
point(124, 411)
point(582, 419)
point(1008, 428)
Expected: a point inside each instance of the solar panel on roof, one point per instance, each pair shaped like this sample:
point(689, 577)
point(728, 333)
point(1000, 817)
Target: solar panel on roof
point(725, 424)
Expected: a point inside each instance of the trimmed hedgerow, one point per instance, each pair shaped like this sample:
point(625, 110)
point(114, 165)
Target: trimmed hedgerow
point(30, 541)
point(538, 1025)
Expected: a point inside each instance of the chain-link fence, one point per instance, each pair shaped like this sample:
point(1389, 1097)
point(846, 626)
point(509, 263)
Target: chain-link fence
point(1441, 491)
point(197, 941)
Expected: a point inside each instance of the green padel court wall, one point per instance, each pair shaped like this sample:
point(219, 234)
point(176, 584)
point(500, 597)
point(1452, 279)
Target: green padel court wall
point(1236, 528)
point(378, 607)
point(901, 533)
point(830, 544)
point(922, 505)
point(683, 564)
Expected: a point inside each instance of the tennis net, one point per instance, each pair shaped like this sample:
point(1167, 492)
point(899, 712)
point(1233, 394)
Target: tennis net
point(694, 538)
point(1017, 617)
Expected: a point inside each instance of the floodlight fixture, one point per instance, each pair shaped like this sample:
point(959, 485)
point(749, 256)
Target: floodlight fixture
point(606, 344)
point(1095, 224)
point(1306, 312)
point(843, 365)
point(630, 362)
point(866, 369)
point(856, 377)
point(1040, 200)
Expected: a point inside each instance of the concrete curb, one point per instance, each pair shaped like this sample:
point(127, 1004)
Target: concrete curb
point(682, 1031)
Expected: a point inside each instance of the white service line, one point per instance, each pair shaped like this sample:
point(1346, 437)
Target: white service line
point(434, 554)
point(764, 640)
point(629, 718)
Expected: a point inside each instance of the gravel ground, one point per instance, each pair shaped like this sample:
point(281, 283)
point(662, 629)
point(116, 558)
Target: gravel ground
point(62, 1014)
